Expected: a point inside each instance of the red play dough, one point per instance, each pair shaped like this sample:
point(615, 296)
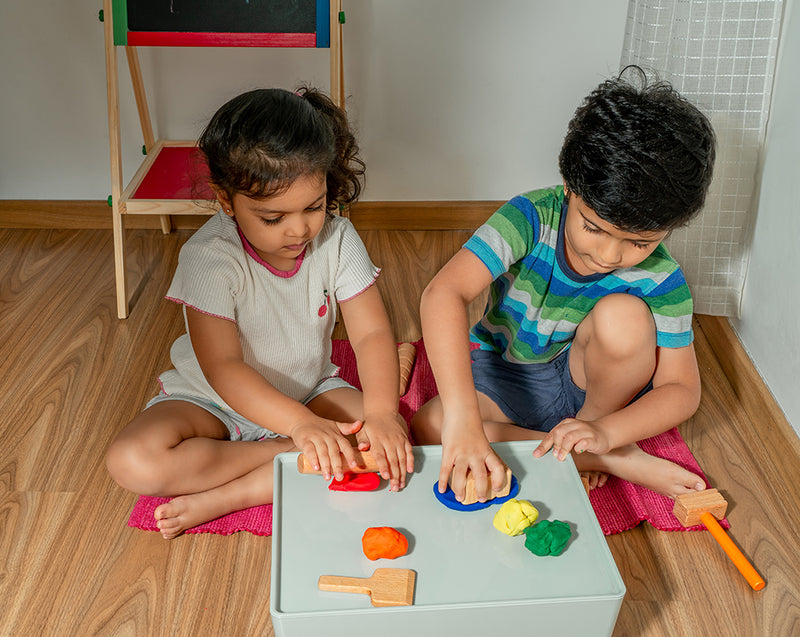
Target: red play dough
point(356, 482)
point(384, 542)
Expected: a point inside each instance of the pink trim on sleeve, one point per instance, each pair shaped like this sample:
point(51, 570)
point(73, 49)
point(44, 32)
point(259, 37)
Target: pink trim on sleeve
point(371, 283)
point(197, 309)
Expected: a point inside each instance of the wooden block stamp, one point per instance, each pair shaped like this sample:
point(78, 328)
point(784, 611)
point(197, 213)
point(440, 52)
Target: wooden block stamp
point(471, 495)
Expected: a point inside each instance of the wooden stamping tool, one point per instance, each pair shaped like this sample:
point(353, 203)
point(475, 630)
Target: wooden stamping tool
point(386, 586)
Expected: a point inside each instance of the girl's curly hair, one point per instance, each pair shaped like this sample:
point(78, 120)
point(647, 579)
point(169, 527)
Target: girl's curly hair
point(260, 142)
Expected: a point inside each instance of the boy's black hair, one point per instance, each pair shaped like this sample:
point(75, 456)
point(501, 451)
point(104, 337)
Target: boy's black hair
point(640, 155)
point(259, 142)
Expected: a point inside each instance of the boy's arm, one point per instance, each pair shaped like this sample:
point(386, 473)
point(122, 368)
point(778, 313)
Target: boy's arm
point(445, 327)
point(219, 352)
point(674, 398)
point(385, 432)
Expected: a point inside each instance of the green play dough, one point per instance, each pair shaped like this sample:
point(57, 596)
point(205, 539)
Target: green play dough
point(548, 537)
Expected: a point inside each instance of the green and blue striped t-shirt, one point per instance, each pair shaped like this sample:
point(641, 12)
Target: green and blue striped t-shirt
point(536, 300)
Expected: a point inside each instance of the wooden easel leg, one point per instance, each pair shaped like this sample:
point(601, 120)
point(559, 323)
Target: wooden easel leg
point(337, 67)
point(144, 114)
point(114, 142)
point(337, 71)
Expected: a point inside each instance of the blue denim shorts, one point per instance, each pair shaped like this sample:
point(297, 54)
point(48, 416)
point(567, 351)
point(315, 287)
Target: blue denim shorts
point(535, 396)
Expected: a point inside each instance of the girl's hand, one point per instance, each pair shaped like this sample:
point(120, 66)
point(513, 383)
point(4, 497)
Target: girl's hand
point(575, 435)
point(323, 443)
point(469, 453)
point(386, 436)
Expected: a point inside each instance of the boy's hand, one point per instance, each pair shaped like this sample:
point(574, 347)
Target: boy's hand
point(463, 454)
point(323, 443)
point(386, 436)
point(575, 435)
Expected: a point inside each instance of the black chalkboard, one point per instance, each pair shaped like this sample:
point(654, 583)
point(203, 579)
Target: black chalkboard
point(223, 16)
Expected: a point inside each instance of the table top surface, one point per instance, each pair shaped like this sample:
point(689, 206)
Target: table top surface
point(459, 557)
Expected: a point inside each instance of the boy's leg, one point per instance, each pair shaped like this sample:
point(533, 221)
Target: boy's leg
point(613, 357)
point(613, 354)
point(426, 425)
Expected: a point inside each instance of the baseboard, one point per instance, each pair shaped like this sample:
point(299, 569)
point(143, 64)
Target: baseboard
point(750, 388)
point(369, 215)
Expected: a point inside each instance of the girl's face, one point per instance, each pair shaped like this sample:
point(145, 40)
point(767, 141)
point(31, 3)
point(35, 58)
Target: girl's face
point(594, 246)
point(281, 226)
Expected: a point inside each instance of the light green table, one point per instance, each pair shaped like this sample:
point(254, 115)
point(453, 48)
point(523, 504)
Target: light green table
point(472, 580)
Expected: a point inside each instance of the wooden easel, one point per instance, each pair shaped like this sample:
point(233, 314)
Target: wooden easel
point(124, 201)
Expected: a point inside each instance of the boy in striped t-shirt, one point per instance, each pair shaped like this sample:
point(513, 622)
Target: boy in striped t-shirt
point(586, 339)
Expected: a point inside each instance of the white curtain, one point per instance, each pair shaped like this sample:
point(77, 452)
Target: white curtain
point(720, 54)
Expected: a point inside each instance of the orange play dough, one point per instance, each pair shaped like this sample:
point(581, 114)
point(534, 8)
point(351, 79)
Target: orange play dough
point(384, 542)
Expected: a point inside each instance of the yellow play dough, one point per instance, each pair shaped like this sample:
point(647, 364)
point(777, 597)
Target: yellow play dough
point(515, 516)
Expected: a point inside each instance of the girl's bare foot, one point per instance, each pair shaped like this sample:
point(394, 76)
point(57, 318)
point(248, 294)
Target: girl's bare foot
point(187, 511)
point(634, 465)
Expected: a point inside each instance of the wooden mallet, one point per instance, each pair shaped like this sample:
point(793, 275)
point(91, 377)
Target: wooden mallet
point(706, 507)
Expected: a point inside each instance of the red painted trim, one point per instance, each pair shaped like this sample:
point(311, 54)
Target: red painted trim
point(165, 38)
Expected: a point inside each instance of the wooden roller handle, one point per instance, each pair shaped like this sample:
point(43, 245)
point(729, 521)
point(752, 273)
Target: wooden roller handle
point(406, 353)
point(366, 464)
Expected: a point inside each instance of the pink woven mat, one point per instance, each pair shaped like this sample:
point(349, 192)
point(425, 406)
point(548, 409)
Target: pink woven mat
point(619, 505)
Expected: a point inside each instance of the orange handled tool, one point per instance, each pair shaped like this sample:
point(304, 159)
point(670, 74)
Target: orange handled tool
point(707, 507)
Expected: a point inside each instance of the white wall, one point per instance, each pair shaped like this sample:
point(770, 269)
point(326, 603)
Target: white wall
point(453, 99)
point(770, 323)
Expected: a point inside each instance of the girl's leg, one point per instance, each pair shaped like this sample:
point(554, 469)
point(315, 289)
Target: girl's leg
point(187, 511)
point(176, 447)
point(343, 404)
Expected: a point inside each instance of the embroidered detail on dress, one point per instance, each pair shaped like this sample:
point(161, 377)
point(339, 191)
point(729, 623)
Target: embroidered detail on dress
point(323, 309)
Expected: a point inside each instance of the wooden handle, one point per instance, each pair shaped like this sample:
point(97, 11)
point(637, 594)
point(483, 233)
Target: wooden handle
point(364, 459)
point(339, 584)
point(737, 557)
point(406, 353)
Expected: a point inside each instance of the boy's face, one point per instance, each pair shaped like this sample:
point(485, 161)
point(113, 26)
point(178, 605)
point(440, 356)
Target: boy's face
point(594, 246)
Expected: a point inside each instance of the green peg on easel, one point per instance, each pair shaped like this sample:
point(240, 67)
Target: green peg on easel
point(101, 16)
point(341, 17)
point(110, 202)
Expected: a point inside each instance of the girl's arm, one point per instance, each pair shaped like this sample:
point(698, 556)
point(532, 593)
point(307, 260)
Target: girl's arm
point(674, 399)
point(445, 327)
point(384, 431)
point(218, 349)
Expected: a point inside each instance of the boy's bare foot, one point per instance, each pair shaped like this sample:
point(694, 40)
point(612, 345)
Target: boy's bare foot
point(595, 478)
point(634, 465)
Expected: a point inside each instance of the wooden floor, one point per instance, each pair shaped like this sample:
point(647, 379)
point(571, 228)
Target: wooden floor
point(72, 374)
